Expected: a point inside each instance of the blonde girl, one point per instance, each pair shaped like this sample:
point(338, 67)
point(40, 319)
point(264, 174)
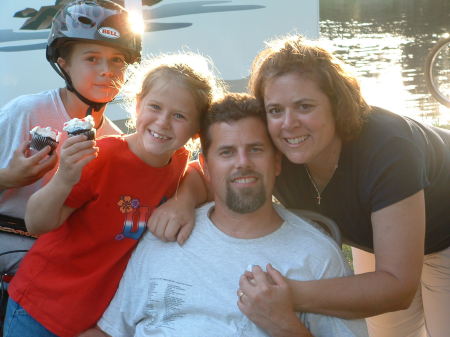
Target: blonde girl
point(97, 205)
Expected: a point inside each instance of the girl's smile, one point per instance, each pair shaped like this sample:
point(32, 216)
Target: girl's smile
point(167, 116)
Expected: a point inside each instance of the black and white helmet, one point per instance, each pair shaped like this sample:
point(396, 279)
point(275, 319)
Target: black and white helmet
point(98, 21)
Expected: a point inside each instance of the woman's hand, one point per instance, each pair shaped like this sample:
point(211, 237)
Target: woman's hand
point(76, 152)
point(265, 298)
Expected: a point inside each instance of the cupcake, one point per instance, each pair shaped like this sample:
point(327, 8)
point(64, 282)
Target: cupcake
point(41, 137)
point(83, 126)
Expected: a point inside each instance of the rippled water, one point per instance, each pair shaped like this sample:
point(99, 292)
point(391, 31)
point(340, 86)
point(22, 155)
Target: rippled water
point(386, 42)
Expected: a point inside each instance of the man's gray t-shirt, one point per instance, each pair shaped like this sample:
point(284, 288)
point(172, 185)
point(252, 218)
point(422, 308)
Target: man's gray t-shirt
point(190, 290)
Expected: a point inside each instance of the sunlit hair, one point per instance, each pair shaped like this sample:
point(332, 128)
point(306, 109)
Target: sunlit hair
point(193, 71)
point(231, 108)
point(295, 54)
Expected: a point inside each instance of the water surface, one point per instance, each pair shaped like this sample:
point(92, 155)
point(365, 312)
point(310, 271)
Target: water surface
point(386, 42)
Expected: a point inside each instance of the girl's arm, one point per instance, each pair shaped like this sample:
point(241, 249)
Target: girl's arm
point(94, 332)
point(174, 220)
point(45, 209)
point(399, 235)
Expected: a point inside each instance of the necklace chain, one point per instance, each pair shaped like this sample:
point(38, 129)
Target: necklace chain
point(311, 179)
point(318, 196)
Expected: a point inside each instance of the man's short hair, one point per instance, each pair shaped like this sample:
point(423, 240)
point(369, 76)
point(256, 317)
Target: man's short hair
point(231, 108)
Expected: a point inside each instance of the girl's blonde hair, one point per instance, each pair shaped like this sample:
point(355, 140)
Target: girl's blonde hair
point(193, 71)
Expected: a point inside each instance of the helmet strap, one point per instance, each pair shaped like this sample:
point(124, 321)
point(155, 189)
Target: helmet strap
point(96, 106)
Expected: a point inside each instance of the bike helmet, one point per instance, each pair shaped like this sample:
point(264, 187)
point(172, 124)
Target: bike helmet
point(100, 21)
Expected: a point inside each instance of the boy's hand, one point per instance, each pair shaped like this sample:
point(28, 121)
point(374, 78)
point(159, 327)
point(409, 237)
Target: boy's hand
point(76, 152)
point(24, 169)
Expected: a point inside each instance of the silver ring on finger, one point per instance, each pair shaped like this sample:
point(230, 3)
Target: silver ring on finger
point(240, 294)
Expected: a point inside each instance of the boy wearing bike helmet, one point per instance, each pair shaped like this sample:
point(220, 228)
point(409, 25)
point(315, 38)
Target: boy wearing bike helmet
point(90, 44)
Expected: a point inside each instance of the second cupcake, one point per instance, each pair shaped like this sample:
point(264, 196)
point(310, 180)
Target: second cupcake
point(83, 126)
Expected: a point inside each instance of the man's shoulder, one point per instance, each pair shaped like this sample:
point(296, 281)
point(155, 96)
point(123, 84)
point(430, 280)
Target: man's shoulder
point(201, 213)
point(314, 245)
point(201, 216)
point(298, 221)
point(306, 231)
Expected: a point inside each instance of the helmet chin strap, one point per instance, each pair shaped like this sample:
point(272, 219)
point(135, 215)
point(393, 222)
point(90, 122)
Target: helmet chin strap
point(92, 106)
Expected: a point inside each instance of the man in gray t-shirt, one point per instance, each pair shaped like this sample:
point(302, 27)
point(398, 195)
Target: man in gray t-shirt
point(193, 290)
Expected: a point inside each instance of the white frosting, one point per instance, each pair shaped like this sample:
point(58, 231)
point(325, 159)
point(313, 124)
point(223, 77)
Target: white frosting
point(46, 132)
point(75, 124)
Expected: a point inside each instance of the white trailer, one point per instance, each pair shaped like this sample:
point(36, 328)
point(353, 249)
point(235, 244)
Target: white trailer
point(230, 32)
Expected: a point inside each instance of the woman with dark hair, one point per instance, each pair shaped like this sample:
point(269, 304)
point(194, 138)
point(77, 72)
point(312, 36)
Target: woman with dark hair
point(385, 180)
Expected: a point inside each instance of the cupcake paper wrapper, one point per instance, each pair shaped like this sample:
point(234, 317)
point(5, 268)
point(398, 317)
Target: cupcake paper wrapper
point(90, 134)
point(39, 142)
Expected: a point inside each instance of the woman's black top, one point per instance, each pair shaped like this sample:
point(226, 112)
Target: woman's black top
point(393, 158)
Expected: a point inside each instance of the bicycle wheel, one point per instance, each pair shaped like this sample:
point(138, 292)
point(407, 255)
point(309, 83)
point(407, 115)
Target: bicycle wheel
point(437, 71)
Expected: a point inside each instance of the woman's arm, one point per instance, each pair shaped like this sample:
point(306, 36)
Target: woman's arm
point(174, 219)
point(45, 209)
point(399, 235)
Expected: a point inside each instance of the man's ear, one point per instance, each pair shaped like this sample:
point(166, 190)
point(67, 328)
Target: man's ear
point(201, 158)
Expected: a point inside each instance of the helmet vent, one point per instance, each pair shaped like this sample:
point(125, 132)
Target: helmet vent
point(102, 21)
point(85, 20)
